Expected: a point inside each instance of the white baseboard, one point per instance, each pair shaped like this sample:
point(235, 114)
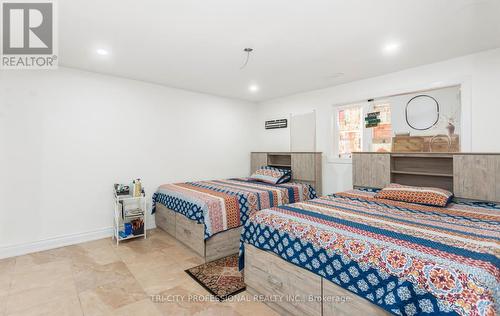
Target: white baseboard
point(59, 241)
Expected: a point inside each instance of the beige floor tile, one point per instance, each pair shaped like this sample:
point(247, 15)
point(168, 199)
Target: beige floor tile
point(90, 277)
point(184, 258)
point(143, 246)
point(160, 234)
point(21, 285)
point(92, 305)
point(98, 243)
point(246, 305)
point(152, 269)
point(40, 296)
point(32, 261)
point(101, 251)
point(143, 308)
point(6, 270)
point(127, 254)
point(150, 259)
point(100, 278)
point(107, 298)
point(45, 275)
point(94, 256)
point(63, 306)
point(7, 265)
point(154, 281)
point(183, 301)
point(3, 300)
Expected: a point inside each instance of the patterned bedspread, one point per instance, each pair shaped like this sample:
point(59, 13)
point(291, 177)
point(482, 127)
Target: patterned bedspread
point(226, 204)
point(407, 258)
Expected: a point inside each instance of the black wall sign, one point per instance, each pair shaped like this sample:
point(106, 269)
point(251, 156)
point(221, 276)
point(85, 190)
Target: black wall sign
point(272, 124)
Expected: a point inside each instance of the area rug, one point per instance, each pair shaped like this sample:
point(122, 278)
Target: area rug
point(220, 277)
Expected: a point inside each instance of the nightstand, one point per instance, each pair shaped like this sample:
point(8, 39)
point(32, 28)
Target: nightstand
point(129, 210)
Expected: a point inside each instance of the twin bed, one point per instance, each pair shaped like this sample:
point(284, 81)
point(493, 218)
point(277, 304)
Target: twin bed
point(405, 258)
point(207, 216)
point(350, 253)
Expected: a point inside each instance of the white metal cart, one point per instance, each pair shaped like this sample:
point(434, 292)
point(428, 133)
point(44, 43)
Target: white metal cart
point(126, 209)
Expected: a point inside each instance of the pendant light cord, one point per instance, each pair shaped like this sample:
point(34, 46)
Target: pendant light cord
point(248, 51)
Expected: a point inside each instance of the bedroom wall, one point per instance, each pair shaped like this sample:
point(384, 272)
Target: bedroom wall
point(66, 136)
point(479, 75)
point(449, 106)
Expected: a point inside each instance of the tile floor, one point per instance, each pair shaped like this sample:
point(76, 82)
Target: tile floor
point(139, 277)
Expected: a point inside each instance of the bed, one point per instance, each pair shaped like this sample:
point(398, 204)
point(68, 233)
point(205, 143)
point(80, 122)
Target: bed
point(207, 216)
point(352, 254)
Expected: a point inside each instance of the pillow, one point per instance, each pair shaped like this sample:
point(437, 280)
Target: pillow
point(272, 175)
point(418, 195)
point(286, 178)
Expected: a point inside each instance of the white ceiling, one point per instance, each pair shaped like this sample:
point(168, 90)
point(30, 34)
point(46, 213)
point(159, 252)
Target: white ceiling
point(299, 45)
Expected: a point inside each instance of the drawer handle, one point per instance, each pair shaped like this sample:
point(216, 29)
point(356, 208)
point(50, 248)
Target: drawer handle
point(187, 232)
point(274, 282)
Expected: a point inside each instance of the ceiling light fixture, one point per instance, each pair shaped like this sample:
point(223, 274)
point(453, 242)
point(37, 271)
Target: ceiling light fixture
point(253, 88)
point(247, 50)
point(391, 48)
point(102, 52)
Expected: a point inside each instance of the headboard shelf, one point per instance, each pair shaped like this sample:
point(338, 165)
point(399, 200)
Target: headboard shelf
point(423, 180)
point(279, 160)
point(422, 166)
point(279, 165)
point(430, 174)
point(305, 166)
point(473, 176)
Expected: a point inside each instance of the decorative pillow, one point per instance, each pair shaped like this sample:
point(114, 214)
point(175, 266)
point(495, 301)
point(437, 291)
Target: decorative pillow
point(272, 175)
point(418, 195)
point(286, 178)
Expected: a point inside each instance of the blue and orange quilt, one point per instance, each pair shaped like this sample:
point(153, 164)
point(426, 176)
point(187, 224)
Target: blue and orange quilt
point(409, 259)
point(224, 204)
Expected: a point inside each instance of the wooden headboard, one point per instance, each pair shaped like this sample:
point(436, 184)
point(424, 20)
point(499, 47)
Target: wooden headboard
point(473, 176)
point(305, 166)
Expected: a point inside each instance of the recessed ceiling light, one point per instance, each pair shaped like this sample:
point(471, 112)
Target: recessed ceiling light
point(391, 48)
point(253, 88)
point(102, 52)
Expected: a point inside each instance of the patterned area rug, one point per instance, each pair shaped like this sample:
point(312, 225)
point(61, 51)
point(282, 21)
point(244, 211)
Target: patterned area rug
point(220, 277)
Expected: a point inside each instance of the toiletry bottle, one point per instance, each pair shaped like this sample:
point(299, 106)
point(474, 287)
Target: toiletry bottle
point(137, 188)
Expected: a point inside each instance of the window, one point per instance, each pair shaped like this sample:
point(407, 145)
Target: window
point(352, 135)
point(350, 130)
point(382, 134)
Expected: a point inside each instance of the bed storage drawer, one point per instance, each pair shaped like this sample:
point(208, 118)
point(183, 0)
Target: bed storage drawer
point(282, 282)
point(340, 302)
point(223, 244)
point(165, 219)
point(190, 233)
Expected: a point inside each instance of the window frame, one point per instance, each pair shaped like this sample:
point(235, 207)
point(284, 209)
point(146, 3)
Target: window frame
point(336, 130)
point(366, 133)
point(371, 132)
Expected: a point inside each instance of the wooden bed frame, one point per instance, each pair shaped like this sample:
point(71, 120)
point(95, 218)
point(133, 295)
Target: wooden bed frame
point(306, 168)
point(474, 176)
point(471, 176)
point(192, 235)
point(291, 290)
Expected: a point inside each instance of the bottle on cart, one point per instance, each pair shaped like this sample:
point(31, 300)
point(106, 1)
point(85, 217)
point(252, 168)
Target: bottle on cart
point(137, 188)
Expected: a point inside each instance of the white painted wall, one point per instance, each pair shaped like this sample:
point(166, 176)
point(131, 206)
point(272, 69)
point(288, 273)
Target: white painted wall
point(303, 132)
point(449, 106)
point(479, 75)
point(66, 136)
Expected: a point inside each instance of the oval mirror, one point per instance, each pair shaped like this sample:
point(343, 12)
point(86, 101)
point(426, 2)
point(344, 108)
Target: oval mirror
point(422, 112)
